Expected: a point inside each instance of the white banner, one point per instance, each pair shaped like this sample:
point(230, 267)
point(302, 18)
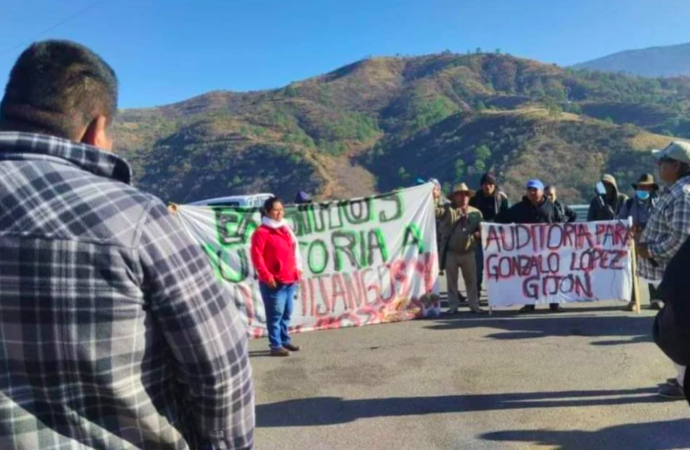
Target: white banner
point(367, 261)
point(557, 263)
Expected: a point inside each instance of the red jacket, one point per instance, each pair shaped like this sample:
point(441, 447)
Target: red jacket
point(273, 255)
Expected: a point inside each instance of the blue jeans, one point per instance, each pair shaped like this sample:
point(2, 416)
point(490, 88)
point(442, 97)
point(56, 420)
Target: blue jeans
point(278, 304)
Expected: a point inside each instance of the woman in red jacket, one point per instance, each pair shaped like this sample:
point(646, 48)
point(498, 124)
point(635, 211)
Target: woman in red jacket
point(276, 258)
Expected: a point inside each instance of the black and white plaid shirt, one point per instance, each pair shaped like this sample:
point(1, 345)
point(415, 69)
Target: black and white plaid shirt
point(114, 333)
point(667, 229)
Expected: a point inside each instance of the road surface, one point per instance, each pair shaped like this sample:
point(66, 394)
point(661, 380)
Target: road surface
point(585, 379)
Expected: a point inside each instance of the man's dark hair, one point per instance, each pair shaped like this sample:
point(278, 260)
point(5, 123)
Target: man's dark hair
point(58, 88)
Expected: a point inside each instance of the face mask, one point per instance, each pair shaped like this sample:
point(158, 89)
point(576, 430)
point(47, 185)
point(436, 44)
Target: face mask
point(642, 195)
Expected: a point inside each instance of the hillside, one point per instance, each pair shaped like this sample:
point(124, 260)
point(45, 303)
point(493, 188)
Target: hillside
point(666, 61)
point(379, 123)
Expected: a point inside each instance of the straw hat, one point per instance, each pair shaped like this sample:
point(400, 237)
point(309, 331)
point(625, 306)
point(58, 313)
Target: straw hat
point(462, 188)
point(646, 180)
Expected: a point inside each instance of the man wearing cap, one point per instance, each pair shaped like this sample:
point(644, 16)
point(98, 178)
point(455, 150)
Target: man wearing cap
point(534, 208)
point(460, 230)
point(491, 202)
point(639, 208)
point(609, 206)
point(668, 228)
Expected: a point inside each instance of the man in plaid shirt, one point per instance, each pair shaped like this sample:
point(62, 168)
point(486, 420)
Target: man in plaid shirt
point(114, 333)
point(667, 230)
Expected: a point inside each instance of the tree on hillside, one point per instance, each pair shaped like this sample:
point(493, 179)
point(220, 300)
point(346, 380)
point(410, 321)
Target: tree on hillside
point(498, 51)
point(482, 153)
point(459, 170)
point(478, 50)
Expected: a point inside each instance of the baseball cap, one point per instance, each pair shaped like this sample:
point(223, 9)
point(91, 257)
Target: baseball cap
point(535, 184)
point(677, 150)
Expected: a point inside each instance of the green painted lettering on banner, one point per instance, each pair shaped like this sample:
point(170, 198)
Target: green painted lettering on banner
point(317, 257)
point(395, 200)
point(222, 266)
point(235, 226)
point(345, 242)
point(377, 241)
point(357, 212)
point(413, 236)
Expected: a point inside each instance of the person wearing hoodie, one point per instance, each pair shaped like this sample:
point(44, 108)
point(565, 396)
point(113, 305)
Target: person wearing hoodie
point(490, 201)
point(610, 207)
point(534, 208)
point(640, 208)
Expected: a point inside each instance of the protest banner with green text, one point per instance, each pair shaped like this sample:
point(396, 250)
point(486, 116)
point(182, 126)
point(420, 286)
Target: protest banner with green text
point(366, 261)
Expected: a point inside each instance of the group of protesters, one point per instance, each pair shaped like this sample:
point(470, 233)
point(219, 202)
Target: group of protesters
point(660, 227)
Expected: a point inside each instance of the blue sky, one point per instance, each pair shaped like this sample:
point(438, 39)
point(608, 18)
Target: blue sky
point(170, 50)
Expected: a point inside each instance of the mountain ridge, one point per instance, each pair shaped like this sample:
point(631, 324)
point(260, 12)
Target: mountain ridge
point(379, 123)
point(657, 61)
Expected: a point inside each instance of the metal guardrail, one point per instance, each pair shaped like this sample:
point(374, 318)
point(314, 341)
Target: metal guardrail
point(581, 211)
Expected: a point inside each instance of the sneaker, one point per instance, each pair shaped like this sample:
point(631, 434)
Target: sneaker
point(450, 312)
point(280, 351)
point(631, 307)
point(556, 308)
point(527, 309)
point(477, 311)
point(292, 348)
point(655, 305)
point(671, 392)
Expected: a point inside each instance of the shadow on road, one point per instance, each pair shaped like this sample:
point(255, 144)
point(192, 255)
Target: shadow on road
point(632, 329)
point(335, 410)
point(640, 436)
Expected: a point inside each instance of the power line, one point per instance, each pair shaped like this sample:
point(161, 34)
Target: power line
point(51, 28)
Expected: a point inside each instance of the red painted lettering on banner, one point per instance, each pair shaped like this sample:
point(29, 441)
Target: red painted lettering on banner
point(577, 285)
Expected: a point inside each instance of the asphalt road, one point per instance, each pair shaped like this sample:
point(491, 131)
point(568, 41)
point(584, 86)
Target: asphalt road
point(585, 379)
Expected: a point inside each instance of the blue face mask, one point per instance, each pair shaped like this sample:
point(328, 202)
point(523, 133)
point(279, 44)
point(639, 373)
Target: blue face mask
point(642, 195)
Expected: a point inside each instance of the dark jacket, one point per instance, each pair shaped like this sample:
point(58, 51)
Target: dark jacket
point(672, 324)
point(564, 212)
point(526, 212)
point(611, 208)
point(490, 205)
point(639, 210)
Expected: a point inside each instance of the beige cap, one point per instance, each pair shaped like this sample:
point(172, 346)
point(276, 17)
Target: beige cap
point(677, 150)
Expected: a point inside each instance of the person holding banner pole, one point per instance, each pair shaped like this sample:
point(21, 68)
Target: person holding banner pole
point(534, 208)
point(640, 208)
point(668, 228)
point(440, 203)
point(460, 228)
point(276, 258)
